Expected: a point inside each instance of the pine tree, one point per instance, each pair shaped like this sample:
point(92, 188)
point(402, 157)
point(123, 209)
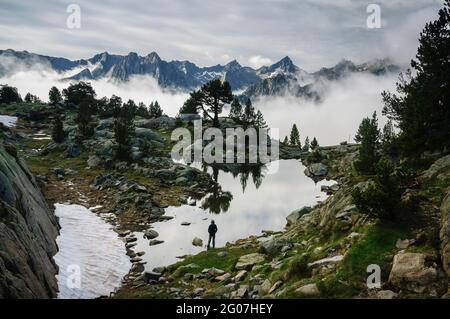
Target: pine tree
point(388, 139)
point(259, 120)
point(314, 144)
point(84, 120)
point(58, 133)
point(236, 110)
point(421, 106)
point(114, 105)
point(54, 96)
point(286, 141)
point(388, 133)
point(124, 130)
point(249, 115)
point(211, 98)
point(143, 111)
point(295, 137)
point(192, 104)
point(28, 98)
point(368, 136)
point(155, 110)
point(306, 145)
point(79, 92)
point(9, 94)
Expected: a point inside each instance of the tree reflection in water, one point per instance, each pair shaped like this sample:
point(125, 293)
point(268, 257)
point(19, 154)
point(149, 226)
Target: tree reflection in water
point(218, 201)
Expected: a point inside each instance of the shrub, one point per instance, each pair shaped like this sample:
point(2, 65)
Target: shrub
point(314, 157)
point(382, 198)
point(298, 268)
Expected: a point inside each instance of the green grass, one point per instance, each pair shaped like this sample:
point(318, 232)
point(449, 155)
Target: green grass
point(209, 259)
point(374, 248)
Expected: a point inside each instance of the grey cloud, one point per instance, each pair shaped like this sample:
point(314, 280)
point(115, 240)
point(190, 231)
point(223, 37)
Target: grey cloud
point(314, 33)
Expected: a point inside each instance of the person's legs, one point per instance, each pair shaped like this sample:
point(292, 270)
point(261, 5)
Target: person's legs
point(209, 240)
point(214, 240)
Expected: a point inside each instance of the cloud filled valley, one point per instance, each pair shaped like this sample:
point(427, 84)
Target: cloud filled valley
point(332, 120)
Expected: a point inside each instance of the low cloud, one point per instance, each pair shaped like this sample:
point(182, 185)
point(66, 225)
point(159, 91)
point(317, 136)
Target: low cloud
point(257, 61)
point(333, 120)
point(39, 78)
point(337, 117)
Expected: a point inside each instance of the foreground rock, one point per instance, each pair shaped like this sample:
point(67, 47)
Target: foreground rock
point(246, 262)
point(409, 272)
point(316, 170)
point(28, 230)
point(445, 234)
point(310, 290)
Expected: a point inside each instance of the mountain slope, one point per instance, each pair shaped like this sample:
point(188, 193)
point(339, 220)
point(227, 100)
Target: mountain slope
point(277, 79)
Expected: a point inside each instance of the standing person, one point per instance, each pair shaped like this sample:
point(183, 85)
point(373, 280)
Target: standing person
point(212, 230)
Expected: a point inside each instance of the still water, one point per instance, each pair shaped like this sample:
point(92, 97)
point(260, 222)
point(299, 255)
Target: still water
point(246, 204)
point(8, 121)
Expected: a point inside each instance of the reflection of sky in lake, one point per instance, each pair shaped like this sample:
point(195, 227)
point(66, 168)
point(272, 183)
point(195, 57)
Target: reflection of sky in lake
point(250, 212)
point(8, 121)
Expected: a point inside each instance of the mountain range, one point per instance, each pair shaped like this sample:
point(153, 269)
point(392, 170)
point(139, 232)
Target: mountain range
point(276, 79)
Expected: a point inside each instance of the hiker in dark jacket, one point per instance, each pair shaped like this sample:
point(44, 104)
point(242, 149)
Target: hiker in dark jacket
point(212, 230)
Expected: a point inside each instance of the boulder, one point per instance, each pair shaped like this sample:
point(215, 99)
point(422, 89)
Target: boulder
point(316, 170)
point(309, 290)
point(94, 161)
point(248, 261)
point(225, 277)
point(326, 261)
point(265, 287)
point(240, 276)
point(274, 246)
point(189, 117)
point(106, 148)
point(295, 216)
point(147, 134)
point(151, 234)
point(241, 293)
point(275, 286)
point(149, 276)
point(105, 124)
point(214, 272)
point(197, 242)
point(403, 243)
point(154, 242)
point(440, 165)
point(445, 233)
point(386, 294)
point(410, 273)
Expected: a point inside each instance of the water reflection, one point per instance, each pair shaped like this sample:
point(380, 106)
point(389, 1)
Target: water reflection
point(253, 201)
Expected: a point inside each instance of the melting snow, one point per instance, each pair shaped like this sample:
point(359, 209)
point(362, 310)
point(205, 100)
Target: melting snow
point(88, 244)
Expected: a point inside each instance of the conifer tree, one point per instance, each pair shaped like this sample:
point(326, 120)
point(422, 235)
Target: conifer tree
point(368, 137)
point(236, 110)
point(58, 133)
point(295, 136)
point(54, 96)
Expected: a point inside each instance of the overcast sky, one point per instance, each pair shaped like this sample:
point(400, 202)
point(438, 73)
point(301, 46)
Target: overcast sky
point(313, 33)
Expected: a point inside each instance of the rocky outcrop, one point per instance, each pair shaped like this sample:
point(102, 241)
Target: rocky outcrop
point(445, 234)
point(316, 171)
point(28, 230)
point(437, 167)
